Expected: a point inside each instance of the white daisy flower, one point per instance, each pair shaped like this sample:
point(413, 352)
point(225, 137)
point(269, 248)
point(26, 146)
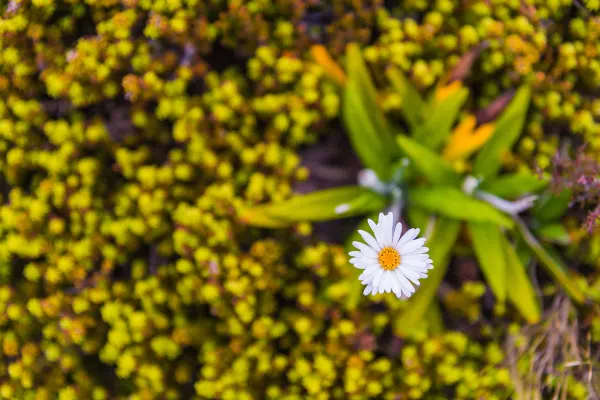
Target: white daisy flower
point(392, 262)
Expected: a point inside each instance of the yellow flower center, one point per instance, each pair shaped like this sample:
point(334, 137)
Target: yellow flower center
point(389, 259)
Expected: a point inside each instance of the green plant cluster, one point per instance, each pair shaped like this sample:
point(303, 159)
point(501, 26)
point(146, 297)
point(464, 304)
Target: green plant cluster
point(502, 242)
point(132, 133)
point(553, 45)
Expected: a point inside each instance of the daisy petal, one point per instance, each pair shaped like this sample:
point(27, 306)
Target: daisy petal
point(413, 276)
point(420, 250)
point(365, 265)
point(367, 273)
point(383, 229)
point(377, 279)
point(407, 287)
point(397, 233)
point(384, 284)
point(390, 283)
point(365, 249)
point(376, 232)
point(365, 260)
point(411, 246)
point(414, 257)
point(407, 237)
point(396, 287)
point(389, 226)
point(401, 289)
point(370, 240)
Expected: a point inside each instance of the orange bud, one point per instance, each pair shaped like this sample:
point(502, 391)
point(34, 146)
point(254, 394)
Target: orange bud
point(443, 92)
point(323, 58)
point(465, 139)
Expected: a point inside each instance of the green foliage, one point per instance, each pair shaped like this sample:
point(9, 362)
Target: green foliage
point(428, 163)
point(363, 132)
point(552, 206)
point(441, 116)
point(451, 202)
point(440, 244)
point(413, 104)
point(367, 127)
point(507, 131)
point(369, 134)
point(552, 264)
point(317, 206)
point(554, 233)
point(512, 186)
point(520, 291)
point(490, 251)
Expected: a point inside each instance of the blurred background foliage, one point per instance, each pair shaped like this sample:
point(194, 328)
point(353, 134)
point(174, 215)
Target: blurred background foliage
point(134, 133)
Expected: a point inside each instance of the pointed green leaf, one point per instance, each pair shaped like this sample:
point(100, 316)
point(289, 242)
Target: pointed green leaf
point(317, 206)
point(428, 163)
point(551, 207)
point(514, 185)
point(508, 129)
point(555, 233)
point(367, 93)
point(358, 71)
point(440, 118)
point(417, 218)
point(452, 202)
point(435, 322)
point(521, 292)
point(363, 133)
point(431, 323)
point(487, 243)
point(523, 251)
point(412, 102)
point(440, 244)
point(254, 217)
point(553, 265)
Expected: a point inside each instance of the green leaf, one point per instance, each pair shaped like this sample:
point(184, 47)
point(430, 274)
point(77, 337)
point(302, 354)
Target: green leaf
point(431, 323)
point(255, 217)
point(514, 185)
point(521, 293)
point(412, 102)
point(440, 244)
point(551, 207)
point(452, 202)
point(440, 118)
point(428, 163)
point(367, 93)
point(363, 225)
point(317, 206)
point(417, 218)
point(555, 233)
point(363, 133)
point(487, 243)
point(435, 319)
point(435, 322)
point(508, 128)
point(553, 265)
point(523, 252)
